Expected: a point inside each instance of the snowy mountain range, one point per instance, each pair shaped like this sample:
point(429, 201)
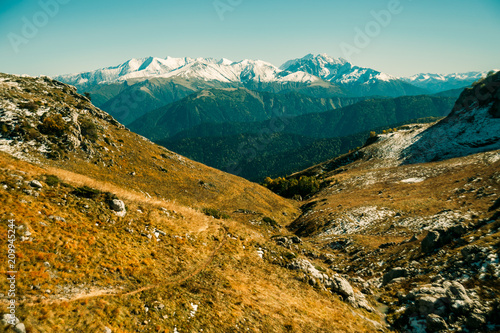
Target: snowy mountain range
point(137, 86)
point(206, 69)
point(442, 82)
point(309, 69)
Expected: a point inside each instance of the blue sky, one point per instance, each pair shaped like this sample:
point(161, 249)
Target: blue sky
point(442, 36)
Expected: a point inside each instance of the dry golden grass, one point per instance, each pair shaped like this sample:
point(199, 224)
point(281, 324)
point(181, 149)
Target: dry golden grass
point(234, 288)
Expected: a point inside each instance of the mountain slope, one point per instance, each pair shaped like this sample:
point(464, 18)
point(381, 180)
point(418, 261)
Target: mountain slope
point(66, 128)
point(115, 233)
point(229, 106)
point(416, 214)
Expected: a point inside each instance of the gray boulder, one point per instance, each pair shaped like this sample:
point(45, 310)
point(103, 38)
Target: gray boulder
point(340, 286)
point(335, 283)
point(435, 323)
point(394, 273)
point(118, 207)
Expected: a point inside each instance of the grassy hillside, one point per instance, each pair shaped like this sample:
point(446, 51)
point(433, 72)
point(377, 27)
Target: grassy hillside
point(163, 266)
point(117, 233)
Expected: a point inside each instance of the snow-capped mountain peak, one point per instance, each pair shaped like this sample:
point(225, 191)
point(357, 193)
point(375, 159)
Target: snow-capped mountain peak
point(207, 69)
point(335, 70)
point(442, 82)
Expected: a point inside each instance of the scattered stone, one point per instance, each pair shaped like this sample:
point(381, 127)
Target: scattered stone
point(107, 329)
point(57, 218)
point(20, 328)
point(7, 318)
point(118, 207)
point(36, 184)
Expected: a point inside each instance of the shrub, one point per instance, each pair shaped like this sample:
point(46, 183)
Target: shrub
point(270, 222)
point(5, 129)
point(86, 192)
point(30, 106)
point(53, 125)
point(32, 133)
point(52, 180)
point(89, 129)
point(215, 213)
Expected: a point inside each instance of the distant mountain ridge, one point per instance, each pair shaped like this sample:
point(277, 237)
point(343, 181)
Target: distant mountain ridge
point(137, 86)
point(233, 105)
point(441, 82)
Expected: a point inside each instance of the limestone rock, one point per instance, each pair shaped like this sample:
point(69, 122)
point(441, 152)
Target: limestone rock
point(36, 184)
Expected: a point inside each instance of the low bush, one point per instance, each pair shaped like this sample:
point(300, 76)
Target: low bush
point(30, 106)
point(215, 213)
point(86, 192)
point(89, 129)
point(289, 187)
point(270, 221)
point(53, 125)
point(51, 180)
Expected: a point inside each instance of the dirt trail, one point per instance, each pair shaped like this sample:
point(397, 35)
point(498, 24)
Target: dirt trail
point(115, 293)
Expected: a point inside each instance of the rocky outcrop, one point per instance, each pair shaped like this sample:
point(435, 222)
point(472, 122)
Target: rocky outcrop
point(442, 306)
point(440, 237)
point(335, 283)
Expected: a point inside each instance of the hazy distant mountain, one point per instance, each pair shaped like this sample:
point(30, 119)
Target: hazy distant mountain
point(217, 106)
point(441, 82)
point(281, 145)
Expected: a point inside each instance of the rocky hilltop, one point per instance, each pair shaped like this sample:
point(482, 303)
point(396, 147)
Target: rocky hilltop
point(413, 217)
